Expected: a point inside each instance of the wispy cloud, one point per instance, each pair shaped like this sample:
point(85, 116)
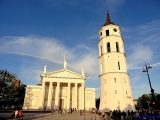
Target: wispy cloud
point(155, 64)
point(53, 50)
point(93, 37)
point(137, 56)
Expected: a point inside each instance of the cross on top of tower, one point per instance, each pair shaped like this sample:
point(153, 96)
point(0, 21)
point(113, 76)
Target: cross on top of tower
point(107, 8)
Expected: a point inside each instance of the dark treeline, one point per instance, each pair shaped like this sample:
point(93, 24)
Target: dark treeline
point(12, 92)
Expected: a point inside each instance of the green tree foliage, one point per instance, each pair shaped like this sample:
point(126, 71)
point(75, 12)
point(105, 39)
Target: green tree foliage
point(97, 102)
point(145, 101)
point(11, 96)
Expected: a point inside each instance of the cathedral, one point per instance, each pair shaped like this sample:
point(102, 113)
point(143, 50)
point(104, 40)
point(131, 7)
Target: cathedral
point(60, 89)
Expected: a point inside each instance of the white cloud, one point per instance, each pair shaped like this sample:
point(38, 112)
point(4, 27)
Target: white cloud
point(155, 64)
point(50, 49)
point(140, 55)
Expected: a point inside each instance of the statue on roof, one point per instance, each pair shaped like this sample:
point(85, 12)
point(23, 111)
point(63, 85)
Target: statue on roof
point(82, 71)
point(65, 62)
point(45, 69)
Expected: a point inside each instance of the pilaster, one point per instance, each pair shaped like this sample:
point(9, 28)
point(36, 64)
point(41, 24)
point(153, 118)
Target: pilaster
point(42, 95)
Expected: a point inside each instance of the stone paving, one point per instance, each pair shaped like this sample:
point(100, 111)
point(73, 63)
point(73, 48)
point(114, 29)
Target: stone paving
point(67, 117)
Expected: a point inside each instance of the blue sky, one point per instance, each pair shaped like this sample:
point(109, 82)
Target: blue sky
point(34, 33)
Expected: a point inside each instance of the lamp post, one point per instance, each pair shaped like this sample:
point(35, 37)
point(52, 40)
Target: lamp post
point(145, 69)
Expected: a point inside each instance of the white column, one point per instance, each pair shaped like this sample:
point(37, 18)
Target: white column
point(82, 96)
point(94, 103)
point(75, 96)
point(68, 95)
point(57, 96)
point(49, 96)
point(42, 95)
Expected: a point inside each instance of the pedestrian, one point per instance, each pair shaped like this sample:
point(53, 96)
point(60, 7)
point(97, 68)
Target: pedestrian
point(102, 114)
point(19, 114)
point(15, 114)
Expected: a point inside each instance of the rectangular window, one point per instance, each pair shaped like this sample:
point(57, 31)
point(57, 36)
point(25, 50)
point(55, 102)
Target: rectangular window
point(107, 32)
point(119, 65)
point(101, 34)
point(124, 80)
point(104, 81)
point(115, 91)
point(101, 50)
point(126, 92)
point(115, 80)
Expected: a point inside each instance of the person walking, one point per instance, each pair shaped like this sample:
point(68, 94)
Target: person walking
point(19, 114)
point(103, 114)
point(15, 114)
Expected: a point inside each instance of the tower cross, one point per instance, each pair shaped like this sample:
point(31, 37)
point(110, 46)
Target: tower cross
point(107, 8)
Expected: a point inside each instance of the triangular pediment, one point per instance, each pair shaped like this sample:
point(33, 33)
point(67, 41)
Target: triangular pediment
point(63, 73)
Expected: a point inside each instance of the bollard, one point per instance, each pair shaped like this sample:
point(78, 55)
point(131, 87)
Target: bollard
point(42, 117)
point(95, 117)
point(84, 116)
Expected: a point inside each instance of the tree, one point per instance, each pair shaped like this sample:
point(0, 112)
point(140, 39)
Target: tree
point(97, 102)
point(11, 94)
point(145, 102)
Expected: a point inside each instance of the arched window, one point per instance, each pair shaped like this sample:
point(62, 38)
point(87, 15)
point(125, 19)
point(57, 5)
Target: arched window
point(119, 65)
point(115, 80)
point(126, 92)
point(108, 47)
point(117, 46)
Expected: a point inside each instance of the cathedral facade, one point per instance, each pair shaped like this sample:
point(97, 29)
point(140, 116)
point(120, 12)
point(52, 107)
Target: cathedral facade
point(61, 89)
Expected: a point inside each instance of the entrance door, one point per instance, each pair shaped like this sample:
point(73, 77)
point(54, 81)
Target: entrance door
point(61, 106)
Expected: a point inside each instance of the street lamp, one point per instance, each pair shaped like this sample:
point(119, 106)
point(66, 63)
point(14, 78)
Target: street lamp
point(145, 69)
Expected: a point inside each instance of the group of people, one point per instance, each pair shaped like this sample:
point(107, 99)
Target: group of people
point(131, 115)
point(63, 111)
point(16, 114)
point(71, 110)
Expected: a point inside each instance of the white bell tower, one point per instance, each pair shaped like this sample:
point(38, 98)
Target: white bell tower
point(115, 89)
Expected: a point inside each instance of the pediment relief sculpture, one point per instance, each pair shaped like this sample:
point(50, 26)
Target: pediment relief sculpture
point(64, 73)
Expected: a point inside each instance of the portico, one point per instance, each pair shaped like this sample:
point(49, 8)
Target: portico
point(62, 95)
point(60, 89)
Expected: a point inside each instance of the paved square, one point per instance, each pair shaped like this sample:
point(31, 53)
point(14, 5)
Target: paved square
point(68, 117)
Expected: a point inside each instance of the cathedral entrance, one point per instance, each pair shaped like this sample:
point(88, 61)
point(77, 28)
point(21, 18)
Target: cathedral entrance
point(61, 105)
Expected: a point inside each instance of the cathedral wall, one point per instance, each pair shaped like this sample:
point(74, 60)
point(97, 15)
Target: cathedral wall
point(32, 96)
point(89, 98)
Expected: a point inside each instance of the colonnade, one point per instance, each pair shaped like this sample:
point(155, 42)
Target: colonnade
point(79, 96)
